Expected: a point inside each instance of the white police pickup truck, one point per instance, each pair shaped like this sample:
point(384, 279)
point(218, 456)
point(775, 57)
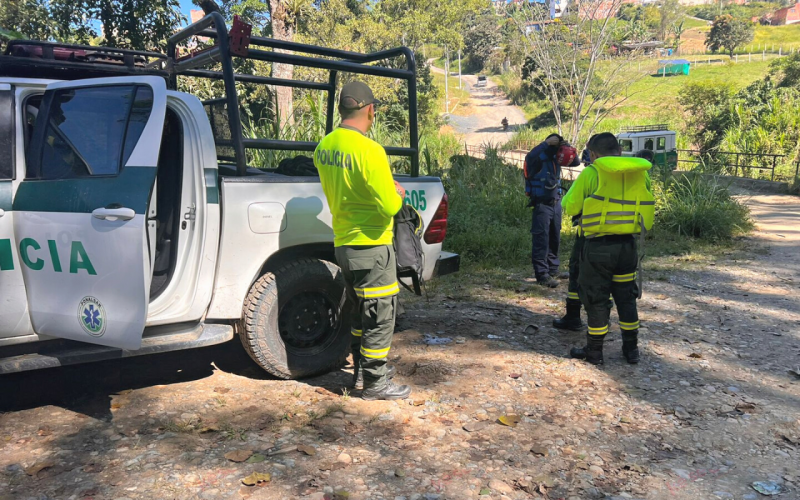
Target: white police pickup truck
point(130, 225)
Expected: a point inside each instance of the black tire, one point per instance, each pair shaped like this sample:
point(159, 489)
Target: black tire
point(294, 324)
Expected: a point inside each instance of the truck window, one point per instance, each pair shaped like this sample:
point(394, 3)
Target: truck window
point(626, 145)
point(662, 144)
point(90, 131)
point(648, 144)
point(30, 112)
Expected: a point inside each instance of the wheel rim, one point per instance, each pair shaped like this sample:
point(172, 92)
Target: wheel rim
point(308, 323)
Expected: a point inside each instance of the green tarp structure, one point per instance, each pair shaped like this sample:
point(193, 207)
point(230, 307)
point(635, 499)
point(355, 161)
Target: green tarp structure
point(673, 67)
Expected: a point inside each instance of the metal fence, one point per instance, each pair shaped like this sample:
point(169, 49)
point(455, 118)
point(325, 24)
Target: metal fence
point(516, 158)
point(745, 165)
point(735, 164)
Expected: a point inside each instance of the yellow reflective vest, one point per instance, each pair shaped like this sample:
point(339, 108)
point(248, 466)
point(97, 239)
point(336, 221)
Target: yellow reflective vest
point(358, 183)
point(622, 202)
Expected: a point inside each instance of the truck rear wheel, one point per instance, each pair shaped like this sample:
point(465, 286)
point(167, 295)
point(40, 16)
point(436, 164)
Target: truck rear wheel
point(294, 320)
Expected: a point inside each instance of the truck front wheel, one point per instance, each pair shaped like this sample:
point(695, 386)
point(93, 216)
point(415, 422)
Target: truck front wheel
point(294, 323)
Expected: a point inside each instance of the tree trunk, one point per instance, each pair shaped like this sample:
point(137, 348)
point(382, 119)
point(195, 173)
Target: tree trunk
point(282, 29)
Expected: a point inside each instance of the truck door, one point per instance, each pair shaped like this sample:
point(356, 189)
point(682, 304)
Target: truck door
point(80, 215)
point(13, 310)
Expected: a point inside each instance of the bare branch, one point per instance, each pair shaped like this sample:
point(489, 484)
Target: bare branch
point(574, 65)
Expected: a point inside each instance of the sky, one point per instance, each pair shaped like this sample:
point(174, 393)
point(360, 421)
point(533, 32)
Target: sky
point(186, 6)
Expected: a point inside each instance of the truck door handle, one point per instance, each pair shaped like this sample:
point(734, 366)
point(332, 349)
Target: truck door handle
point(2, 212)
point(114, 214)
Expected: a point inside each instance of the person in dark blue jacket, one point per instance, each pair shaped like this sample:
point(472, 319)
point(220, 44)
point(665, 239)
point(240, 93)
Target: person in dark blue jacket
point(542, 170)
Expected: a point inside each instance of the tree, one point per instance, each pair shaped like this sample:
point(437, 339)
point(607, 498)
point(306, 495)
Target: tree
point(481, 39)
point(670, 12)
point(134, 24)
point(677, 33)
point(729, 34)
point(25, 19)
point(786, 71)
point(139, 24)
point(572, 65)
point(637, 32)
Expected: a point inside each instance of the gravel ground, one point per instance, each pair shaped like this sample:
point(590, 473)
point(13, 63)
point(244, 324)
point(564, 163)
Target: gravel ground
point(498, 413)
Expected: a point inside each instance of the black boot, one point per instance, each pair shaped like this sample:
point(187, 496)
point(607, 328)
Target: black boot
point(547, 281)
point(572, 319)
point(391, 371)
point(388, 392)
point(630, 345)
point(592, 352)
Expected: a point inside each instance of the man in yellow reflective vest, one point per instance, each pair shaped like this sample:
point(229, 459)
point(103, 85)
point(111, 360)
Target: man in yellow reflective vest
point(363, 198)
point(615, 203)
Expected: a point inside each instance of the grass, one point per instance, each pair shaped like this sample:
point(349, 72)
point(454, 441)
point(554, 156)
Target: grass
point(787, 37)
point(458, 98)
point(691, 23)
point(769, 38)
point(656, 98)
point(652, 99)
point(489, 222)
point(432, 51)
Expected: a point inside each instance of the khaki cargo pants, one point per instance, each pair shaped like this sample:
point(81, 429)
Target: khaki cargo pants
point(371, 276)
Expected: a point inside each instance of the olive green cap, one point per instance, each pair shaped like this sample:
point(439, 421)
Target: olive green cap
point(356, 95)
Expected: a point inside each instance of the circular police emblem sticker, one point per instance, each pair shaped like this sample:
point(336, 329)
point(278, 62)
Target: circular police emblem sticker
point(92, 316)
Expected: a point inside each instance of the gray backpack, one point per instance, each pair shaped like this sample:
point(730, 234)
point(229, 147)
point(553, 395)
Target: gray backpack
point(408, 230)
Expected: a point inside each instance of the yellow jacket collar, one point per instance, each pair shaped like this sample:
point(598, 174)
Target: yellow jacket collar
point(619, 164)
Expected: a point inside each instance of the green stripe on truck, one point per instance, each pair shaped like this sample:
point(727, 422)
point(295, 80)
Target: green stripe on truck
point(130, 189)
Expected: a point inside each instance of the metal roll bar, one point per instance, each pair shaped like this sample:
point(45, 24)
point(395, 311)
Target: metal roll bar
point(237, 44)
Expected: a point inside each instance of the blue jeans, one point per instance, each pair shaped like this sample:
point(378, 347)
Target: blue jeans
point(546, 236)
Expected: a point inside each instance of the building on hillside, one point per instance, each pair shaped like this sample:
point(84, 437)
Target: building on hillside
point(598, 10)
point(786, 15)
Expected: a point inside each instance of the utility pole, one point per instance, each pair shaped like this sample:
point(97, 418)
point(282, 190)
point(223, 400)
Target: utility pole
point(446, 77)
point(459, 69)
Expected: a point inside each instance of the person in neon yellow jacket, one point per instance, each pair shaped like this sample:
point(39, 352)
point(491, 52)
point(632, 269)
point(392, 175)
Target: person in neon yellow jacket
point(363, 198)
point(615, 202)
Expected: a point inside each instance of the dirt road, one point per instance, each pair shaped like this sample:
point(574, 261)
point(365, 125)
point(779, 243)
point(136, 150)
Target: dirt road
point(488, 106)
point(711, 409)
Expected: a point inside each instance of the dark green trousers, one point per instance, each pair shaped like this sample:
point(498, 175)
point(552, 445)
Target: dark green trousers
point(371, 276)
point(608, 265)
point(574, 268)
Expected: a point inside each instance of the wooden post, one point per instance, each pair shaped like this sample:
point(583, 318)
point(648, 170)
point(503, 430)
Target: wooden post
point(774, 160)
point(749, 57)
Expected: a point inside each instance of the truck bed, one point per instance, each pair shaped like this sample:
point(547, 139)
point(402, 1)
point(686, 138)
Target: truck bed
point(260, 206)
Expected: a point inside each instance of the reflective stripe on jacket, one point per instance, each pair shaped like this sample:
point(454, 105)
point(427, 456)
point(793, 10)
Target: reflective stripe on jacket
point(622, 202)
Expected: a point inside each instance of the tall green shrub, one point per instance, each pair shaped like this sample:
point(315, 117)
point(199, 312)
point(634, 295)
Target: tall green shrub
point(489, 222)
point(699, 206)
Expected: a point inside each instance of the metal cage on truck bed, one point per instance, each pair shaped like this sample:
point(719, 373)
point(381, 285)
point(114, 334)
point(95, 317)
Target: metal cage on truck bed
point(33, 59)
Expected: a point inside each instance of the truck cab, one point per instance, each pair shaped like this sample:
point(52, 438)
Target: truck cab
point(657, 138)
point(130, 225)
